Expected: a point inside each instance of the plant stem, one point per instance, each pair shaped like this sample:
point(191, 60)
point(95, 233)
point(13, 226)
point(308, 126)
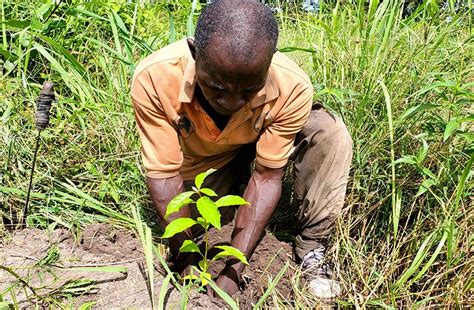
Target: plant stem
point(205, 246)
point(4, 29)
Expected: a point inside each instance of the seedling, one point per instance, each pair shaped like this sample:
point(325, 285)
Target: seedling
point(210, 217)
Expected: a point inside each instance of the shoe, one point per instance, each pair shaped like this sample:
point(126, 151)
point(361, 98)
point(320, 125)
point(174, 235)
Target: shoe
point(319, 275)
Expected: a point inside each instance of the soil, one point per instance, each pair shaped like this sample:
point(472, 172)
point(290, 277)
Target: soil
point(268, 260)
point(104, 245)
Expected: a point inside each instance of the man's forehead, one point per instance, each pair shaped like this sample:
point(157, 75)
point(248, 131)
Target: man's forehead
point(228, 70)
point(224, 52)
point(243, 81)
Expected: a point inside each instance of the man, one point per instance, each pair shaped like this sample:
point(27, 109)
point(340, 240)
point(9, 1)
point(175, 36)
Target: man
point(225, 99)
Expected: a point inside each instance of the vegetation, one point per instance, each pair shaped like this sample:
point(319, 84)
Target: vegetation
point(210, 217)
point(402, 84)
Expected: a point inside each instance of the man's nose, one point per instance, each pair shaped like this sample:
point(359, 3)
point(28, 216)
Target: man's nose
point(231, 101)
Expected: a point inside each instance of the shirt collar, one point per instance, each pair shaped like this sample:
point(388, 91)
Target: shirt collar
point(268, 93)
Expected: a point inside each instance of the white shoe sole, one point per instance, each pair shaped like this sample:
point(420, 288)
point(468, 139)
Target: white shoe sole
point(324, 288)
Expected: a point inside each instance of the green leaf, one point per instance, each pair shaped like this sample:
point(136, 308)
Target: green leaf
point(433, 257)
point(230, 251)
point(416, 109)
point(85, 306)
point(7, 55)
point(208, 209)
point(428, 172)
point(43, 10)
point(406, 159)
point(469, 119)
point(191, 277)
point(450, 128)
point(425, 185)
point(436, 87)
point(177, 226)
point(201, 177)
point(189, 246)
point(208, 192)
point(231, 200)
point(423, 152)
point(16, 24)
point(37, 25)
point(178, 202)
point(202, 221)
point(205, 278)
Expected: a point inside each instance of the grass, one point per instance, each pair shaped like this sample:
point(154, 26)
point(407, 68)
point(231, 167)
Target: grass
point(402, 84)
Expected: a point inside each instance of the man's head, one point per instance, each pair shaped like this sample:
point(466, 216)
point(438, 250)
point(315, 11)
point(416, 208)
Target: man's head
point(233, 48)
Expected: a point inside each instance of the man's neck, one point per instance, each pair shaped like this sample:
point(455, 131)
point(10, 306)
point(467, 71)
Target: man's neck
point(220, 120)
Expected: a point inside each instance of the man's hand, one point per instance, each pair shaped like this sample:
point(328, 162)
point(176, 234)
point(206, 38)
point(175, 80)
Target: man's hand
point(228, 280)
point(263, 193)
point(161, 192)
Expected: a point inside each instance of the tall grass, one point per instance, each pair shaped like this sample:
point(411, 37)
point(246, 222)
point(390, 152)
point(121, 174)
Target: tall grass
point(402, 84)
point(404, 87)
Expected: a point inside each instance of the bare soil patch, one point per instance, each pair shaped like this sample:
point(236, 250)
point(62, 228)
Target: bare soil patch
point(268, 260)
point(27, 253)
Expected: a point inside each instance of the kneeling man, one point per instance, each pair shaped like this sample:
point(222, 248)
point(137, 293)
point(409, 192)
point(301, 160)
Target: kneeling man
point(224, 100)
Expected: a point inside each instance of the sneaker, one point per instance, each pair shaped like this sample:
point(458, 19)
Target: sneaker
point(319, 275)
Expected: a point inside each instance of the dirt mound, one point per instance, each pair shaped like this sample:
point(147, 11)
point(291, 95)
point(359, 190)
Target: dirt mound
point(66, 271)
point(269, 258)
point(103, 239)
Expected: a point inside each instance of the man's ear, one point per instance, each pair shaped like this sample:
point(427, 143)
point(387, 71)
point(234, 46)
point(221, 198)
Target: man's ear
point(192, 47)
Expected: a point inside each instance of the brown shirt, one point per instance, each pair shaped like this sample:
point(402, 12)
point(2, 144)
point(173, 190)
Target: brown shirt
point(176, 133)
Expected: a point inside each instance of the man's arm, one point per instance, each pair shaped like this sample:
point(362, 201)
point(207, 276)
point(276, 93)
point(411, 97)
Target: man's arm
point(161, 192)
point(263, 192)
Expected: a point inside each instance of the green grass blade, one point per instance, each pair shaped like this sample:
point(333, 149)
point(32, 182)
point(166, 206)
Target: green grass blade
point(163, 291)
point(396, 203)
point(172, 27)
point(417, 261)
point(271, 287)
point(183, 301)
point(4, 28)
point(467, 172)
point(433, 257)
point(148, 247)
point(223, 294)
point(190, 22)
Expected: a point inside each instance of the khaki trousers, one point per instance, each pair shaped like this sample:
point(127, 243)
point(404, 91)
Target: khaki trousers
point(321, 163)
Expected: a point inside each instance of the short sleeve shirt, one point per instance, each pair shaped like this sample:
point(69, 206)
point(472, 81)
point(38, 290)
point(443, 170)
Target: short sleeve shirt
point(178, 136)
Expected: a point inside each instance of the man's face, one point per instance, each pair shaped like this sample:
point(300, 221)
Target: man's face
point(228, 84)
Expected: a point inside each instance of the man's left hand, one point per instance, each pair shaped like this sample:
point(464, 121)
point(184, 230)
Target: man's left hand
point(228, 280)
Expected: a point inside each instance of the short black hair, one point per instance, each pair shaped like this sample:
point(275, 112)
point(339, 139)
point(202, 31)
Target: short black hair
point(248, 24)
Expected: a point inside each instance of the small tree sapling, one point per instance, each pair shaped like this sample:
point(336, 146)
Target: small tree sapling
point(210, 217)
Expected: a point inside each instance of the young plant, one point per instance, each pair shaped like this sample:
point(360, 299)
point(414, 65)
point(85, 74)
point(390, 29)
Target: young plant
point(210, 217)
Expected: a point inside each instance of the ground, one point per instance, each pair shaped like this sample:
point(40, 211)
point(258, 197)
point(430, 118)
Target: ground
point(55, 262)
